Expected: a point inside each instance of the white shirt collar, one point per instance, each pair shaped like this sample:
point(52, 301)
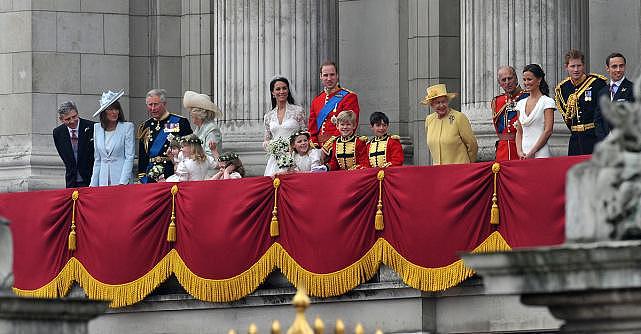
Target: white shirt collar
point(618, 83)
point(77, 128)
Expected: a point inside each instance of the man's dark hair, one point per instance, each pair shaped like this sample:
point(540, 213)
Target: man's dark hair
point(613, 55)
point(328, 63)
point(378, 117)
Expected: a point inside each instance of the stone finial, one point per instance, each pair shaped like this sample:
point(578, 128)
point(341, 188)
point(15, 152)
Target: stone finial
point(603, 195)
point(6, 257)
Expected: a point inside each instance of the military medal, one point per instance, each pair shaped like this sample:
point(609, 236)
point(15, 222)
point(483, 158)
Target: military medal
point(588, 95)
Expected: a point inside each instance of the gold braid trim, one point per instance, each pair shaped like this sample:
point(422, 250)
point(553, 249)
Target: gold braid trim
point(436, 279)
point(334, 283)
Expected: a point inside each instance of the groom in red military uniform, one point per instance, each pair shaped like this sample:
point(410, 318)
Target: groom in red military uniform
point(504, 113)
point(328, 104)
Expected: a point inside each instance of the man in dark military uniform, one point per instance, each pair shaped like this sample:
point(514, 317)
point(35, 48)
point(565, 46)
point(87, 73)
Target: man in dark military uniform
point(155, 134)
point(577, 101)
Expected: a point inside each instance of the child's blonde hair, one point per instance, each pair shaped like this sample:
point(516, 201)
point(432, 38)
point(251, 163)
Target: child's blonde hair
point(197, 151)
point(346, 116)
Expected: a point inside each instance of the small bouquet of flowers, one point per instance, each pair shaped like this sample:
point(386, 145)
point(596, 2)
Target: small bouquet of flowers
point(279, 148)
point(156, 172)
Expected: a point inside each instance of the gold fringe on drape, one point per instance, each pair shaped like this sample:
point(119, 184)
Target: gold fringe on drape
point(334, 283)
point(229, 289)
point(237, 287)
point(437, 279)
point(119, 294)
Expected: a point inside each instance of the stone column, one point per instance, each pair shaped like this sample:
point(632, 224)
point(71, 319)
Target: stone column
point(232, 49)
point(516, 33)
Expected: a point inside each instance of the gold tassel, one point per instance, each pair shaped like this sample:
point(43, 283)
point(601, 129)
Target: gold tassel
point(171, 231)
point(494, 214)
point(71, 243)
point(273, 226)
point(379, 225)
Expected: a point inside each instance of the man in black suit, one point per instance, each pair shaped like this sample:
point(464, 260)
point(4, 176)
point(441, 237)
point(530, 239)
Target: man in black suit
point(619, 89)
point(74, 142)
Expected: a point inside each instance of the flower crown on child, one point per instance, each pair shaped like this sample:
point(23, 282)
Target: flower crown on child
point(228, 156)
point(299, 133)
point(192, 140)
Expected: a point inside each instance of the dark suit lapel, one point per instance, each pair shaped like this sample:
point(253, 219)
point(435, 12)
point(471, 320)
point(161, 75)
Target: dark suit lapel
point(624, 91)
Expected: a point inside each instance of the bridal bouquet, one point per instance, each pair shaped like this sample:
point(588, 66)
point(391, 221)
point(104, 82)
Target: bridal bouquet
point(279, 148)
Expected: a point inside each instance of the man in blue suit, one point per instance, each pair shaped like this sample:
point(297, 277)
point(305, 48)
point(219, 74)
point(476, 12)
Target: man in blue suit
point(74, 143)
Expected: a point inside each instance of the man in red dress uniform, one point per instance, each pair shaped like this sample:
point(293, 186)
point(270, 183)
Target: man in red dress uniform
point(328, 104)
point(504, 113)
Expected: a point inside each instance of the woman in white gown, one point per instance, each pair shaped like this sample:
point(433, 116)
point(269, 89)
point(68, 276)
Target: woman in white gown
point(283, 120)
point(536, 115)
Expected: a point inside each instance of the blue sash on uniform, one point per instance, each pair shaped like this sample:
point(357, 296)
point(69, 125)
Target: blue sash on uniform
point(329, 106)
point(158, 144)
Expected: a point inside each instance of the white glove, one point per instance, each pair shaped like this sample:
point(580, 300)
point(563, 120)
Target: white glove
point(321, 168)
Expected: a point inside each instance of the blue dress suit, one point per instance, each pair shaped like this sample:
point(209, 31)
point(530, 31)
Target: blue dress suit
point(113, 161)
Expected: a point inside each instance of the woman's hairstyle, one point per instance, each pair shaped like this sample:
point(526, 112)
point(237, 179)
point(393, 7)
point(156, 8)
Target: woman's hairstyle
point(197, 151)
point(538, 72)
point(103, 114)
point(290, 98)
point(203, 114)
point(233, 159)
point(292, 139)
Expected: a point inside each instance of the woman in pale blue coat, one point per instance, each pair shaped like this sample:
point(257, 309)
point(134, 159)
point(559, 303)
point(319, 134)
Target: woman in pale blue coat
point(113, 140)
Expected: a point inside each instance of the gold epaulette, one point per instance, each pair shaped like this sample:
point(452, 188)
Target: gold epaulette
point(362, 138)
point(349, 91)
point(397, 137)
point(327, 146)
point(599, 76)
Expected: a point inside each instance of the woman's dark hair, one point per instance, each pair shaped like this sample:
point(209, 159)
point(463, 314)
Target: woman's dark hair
point(290, 98)
point(538, 72)
point(103, 114)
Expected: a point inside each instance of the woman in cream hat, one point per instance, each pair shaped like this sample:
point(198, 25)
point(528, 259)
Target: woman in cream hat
point(449, 133)
point(203, 113)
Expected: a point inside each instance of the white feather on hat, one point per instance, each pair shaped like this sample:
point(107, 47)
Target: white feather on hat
point(107, 99)
point(202, 101)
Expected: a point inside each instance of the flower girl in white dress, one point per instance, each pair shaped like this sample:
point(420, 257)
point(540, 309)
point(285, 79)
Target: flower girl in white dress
point(192, 162)
point(305, 157)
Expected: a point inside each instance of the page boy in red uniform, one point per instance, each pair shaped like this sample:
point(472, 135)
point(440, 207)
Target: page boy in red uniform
point(384, 150)
point(347, 151)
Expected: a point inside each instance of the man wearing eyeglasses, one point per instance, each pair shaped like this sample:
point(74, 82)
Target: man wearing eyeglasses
point(155, 134)
point(74, 143)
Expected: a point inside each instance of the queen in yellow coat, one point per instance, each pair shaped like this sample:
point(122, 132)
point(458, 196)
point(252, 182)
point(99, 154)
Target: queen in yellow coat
point(449, 133)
